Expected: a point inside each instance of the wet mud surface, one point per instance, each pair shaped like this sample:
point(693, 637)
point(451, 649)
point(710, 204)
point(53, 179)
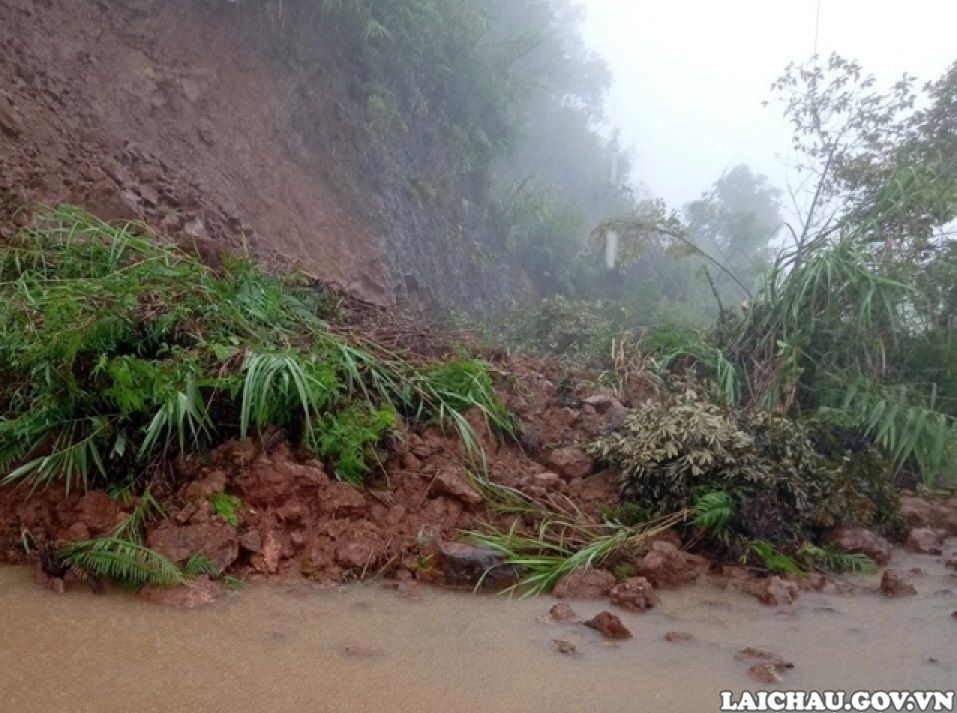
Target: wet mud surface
point(368, 648)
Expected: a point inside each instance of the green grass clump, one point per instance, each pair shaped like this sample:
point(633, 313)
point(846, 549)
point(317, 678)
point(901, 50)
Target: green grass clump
point(226, 506)
point(118, 351)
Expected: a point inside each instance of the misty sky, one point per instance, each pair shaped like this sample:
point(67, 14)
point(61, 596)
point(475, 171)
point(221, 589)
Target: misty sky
point(690, 75)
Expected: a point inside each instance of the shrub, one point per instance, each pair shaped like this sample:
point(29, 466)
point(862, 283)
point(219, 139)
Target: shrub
point(773, 484)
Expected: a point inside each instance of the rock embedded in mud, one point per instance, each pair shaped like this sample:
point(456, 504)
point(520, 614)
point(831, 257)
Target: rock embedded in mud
point(859, 540)
point(251, 541)
point(678, 636)
point(343, 500)
point(893, 585)
point(570, 462)
point(560, 613)
point(765, 672)
point(266, 560)
point(599, 402)
point(634, 594)
point(191, 595)
point(585, 583)
point(925, 541)
point(665, 566)
point(564, 647)
point(217, 540)
point(98, 511)
point(449, 483)
point(355, 555)
point(459, 564)
point(774, 591)
point(609, 626)
point(919, 512)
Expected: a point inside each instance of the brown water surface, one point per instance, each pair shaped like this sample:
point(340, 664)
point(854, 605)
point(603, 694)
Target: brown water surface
point(284, 648)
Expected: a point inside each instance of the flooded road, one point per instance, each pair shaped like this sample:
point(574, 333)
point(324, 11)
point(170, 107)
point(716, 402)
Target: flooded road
point(273, 647)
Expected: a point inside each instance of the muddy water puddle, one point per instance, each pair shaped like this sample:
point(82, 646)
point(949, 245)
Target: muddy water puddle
point(273, 647)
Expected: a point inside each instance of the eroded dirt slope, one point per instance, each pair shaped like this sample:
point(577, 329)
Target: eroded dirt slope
point(133, 108)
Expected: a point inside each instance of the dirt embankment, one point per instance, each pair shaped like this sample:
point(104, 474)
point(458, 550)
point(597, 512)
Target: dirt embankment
point(295, 520)
point(163, 111)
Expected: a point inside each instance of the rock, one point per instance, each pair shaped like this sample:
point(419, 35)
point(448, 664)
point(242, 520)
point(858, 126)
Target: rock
point(609, 626)
point(599, 402)
point(925, 541)
point(564, 647)
point(954, 615)
point(98, 511)
point(634, 594)
point(768, 665)
point(460, 564)
point(251, 541)
point(560, 613)
point(355, 555)
point(195, 593)
point(952, 562)
point(570, 462)
point(585, 583)
point(765, 672)
point(666, 566)
point(678, 636)
point(343, 500)
point(266, 560)
point(217, 540)
point(548, 481)
point(774, 591)
point(449, 483)
point(893, 585)
point(859, 540)
point(941, 514)
point(77, 532)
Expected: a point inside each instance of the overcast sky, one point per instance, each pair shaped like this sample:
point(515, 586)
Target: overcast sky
point(690, 75)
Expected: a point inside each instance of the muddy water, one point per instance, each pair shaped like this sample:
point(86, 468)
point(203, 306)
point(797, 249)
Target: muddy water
point(363, 649)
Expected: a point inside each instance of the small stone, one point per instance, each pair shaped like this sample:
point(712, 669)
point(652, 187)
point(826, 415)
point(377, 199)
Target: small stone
point(355, 555)
point(893, 585)
point(925, 541)
point(559, 614)
point(609, 626)
point(585, 583)
point(774, 591)
point(564, 647)
point(634, 594)
point(678, 636)
point(462, 564)
point(599, 402)
point(251, 541)
point(451, 484)
point(570, 462)
point(195, 593)
point(765, 672)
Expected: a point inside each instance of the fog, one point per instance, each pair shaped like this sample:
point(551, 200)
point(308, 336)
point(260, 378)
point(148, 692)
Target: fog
point(691, 75)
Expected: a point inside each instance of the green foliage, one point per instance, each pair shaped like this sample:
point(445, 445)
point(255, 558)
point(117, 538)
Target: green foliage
point(197, 564)
point(118, 352)
point(773, 560)
point(832, 559)
point(226, 506)
point(560, 544)
point(349, 437)
point(713, 510)
point(753, 474)
point(125, 562)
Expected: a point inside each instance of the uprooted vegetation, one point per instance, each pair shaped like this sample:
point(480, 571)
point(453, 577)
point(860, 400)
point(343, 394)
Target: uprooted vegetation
point(121, 353)
point(124, 356)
